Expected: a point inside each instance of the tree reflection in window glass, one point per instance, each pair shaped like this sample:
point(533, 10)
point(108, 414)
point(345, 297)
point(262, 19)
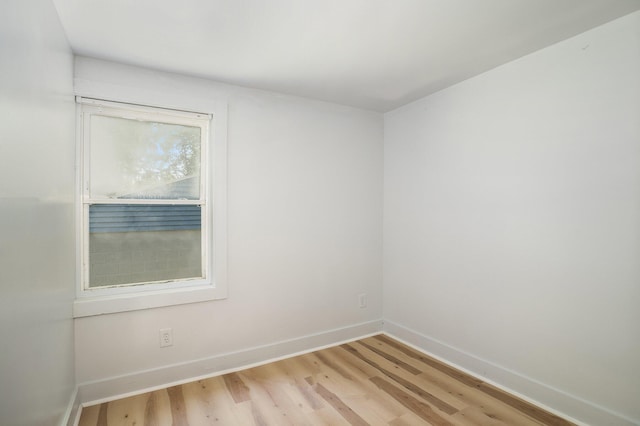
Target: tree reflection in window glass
point(144, 159)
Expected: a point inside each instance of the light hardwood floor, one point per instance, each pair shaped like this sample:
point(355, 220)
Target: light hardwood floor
point(373, 381)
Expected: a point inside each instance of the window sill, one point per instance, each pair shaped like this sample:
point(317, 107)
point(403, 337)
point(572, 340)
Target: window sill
point(91, 306)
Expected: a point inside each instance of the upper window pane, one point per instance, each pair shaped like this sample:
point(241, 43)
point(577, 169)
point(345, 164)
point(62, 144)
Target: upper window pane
point(143, 159)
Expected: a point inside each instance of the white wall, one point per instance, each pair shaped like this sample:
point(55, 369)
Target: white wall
point(304, 226)
point(37, 253)
point(512, 223)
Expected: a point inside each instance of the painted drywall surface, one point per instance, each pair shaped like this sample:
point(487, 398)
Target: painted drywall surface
point(304, 225)
point(37, 253)
point(512, 216)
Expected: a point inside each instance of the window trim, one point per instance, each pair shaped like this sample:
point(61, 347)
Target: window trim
point(89, 109)
point(134, 297)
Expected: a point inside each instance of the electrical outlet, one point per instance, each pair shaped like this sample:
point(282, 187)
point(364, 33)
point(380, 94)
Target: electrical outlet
point(362, 300)
point(166, 337)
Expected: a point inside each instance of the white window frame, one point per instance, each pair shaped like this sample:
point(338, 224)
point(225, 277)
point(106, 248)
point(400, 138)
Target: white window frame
point(103, 300)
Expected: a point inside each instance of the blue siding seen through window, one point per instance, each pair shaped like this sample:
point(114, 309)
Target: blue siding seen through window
point(147, 217)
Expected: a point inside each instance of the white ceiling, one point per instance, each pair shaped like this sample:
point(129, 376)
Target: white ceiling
point(373, 54)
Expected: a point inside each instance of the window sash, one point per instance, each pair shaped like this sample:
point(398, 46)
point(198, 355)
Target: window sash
point(90, 107)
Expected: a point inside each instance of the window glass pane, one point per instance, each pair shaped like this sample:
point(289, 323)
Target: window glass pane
point(131, 244)
point(143, 159)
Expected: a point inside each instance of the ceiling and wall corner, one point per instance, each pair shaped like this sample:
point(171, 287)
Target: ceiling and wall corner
point(371, 54)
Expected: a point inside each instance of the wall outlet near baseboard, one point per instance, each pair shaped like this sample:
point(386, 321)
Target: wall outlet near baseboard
point(166, 337)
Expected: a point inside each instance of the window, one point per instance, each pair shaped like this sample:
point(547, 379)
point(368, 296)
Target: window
point(145, 200)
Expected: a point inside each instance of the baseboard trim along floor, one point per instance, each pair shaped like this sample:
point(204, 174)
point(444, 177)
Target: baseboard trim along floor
point(376, 380)
point(555, 401)
point(540, 394)
point(157, 378)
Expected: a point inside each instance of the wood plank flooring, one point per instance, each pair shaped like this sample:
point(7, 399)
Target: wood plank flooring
point(372, 381)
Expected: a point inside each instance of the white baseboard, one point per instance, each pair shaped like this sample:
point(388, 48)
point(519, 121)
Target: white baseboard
point(554, 400)
point(71, 415)
point(96, 392)
point(561, 403)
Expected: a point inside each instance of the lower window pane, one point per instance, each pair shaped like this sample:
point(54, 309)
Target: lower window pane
point(143, 256)
point(133, 244)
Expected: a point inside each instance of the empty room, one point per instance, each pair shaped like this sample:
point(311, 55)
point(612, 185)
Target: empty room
point(342, 212)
